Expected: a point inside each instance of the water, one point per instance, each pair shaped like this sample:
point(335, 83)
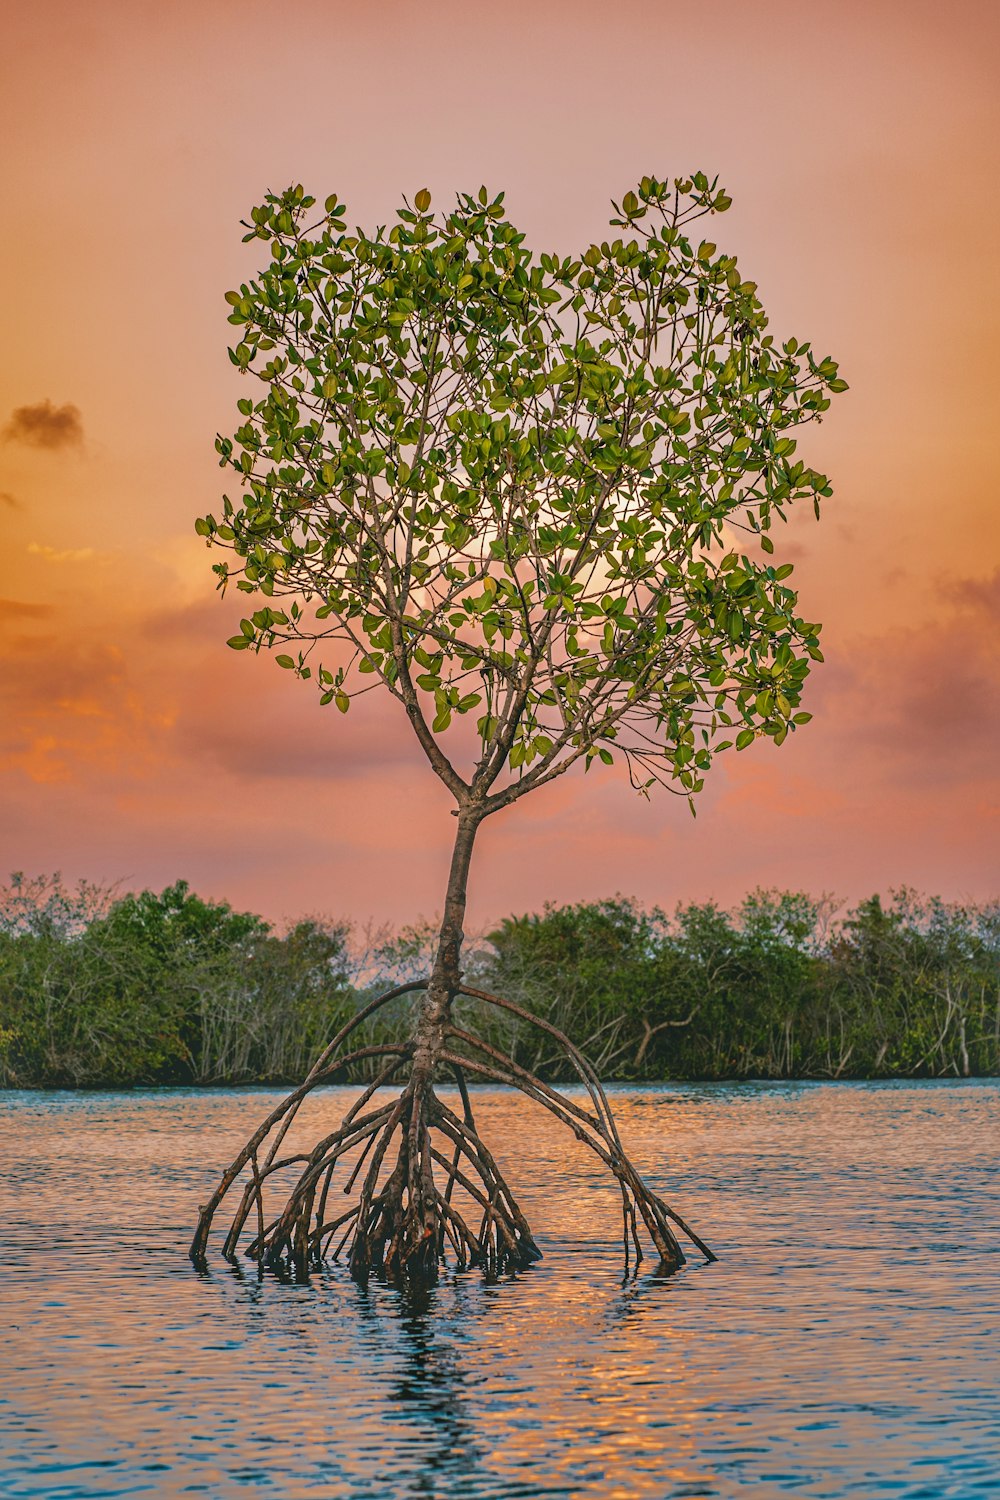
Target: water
point(844, 1345)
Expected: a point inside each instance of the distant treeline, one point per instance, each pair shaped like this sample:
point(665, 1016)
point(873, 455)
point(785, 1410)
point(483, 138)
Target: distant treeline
point(98, 989)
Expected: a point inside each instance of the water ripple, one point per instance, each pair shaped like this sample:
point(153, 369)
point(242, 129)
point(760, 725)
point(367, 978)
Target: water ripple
point(842, 1346)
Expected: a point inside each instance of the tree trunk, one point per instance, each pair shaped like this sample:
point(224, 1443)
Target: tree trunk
point(446, 974)
point(404, 1237)
point(406, 1218)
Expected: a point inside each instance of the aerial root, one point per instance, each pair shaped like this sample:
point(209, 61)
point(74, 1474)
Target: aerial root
point(428, 1188)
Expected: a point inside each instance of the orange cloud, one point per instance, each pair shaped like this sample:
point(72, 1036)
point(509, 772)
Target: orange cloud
point(72, 706)
point(20, 609)
point(61, 555)
point(925, 697)
point(45, 426)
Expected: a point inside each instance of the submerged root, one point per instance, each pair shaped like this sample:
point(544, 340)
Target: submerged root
point(426, 1186)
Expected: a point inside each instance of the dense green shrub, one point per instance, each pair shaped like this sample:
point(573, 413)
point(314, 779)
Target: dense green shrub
point(101, 989)
point(161, 988)
point(772, 990)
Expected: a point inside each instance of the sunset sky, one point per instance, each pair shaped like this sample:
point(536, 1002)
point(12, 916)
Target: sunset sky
point(860, 141)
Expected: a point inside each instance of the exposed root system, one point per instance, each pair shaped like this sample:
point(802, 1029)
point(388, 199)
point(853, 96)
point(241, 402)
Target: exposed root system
point(423, 1184)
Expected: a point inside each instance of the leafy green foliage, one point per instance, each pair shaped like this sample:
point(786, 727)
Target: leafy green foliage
point(772, 990)
point(537, 491)
point(158, 989)
point(168, 988)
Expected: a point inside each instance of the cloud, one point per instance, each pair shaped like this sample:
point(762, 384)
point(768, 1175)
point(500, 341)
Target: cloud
point(925, 697)
point(74, 710)
point(979, 594)
point(17, 609)
point(45, 426)
point(202, 623)
point(258, 724)
point(250, 719)
point(54, 555)
point(11, 501)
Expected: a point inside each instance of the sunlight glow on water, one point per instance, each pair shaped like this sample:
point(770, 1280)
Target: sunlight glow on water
point(844, 1345)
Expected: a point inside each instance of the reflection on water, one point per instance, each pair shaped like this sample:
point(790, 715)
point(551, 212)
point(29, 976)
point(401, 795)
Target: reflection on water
point(844, 1345)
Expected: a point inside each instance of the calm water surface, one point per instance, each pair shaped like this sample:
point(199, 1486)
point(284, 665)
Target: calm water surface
point(846, 1344)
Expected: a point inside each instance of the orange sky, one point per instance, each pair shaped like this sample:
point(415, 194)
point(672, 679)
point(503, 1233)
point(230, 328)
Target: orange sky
point(861, 144)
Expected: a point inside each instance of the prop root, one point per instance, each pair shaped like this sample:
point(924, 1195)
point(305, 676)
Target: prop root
point(424, 1183)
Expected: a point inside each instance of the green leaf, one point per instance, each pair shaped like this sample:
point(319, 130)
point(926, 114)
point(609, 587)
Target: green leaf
point(464, 455)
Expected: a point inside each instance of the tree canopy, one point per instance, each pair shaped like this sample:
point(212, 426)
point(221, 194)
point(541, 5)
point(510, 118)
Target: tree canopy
point(533, 493)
